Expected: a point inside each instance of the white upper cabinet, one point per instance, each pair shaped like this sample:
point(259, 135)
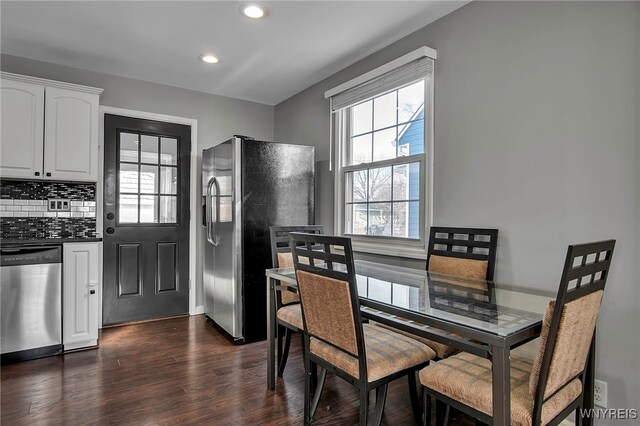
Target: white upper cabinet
point(71, 135)
point(22, 129)
point(49, 130)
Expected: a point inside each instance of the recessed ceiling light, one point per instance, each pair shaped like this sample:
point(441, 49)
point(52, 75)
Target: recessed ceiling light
point(208, 58)
point(254, 11)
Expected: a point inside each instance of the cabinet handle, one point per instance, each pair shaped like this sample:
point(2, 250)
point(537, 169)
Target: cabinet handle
point(49, 174)
point(37, 173)
point(92, 292)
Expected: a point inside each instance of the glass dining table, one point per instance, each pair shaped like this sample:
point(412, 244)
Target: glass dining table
point(476, 316)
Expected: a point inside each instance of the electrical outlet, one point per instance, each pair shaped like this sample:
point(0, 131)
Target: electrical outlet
point(58, 205)
point(600, 393)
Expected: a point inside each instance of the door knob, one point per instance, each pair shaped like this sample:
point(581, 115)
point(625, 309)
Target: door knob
point(92, 292)
point(110, 230)
point(110, 216)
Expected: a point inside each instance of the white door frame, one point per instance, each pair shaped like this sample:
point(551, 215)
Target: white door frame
point(193, 182)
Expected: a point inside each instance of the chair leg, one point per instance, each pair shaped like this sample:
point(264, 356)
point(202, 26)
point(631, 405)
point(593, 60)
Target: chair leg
point(279, 332)
point(364, 405)
point(381, 397)
point(413, 395)
point(285, 352)
point(447, 416)
point(426, 403)
point(318, 390)
point(442, 412)
point(578, 416)
point(307, 392)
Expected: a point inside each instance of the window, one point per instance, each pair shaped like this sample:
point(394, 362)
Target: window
point(147, 179)
point(382, 128)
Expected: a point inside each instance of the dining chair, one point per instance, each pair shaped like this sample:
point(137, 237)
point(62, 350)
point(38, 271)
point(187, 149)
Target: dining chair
point(336, 340)
point(548, 389)
point(288, 313)
point(462, 252)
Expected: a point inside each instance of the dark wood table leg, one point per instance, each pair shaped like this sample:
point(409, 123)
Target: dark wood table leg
point(271, 335)
point(501, 372)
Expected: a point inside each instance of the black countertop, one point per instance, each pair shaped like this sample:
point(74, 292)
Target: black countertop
point(48, 241)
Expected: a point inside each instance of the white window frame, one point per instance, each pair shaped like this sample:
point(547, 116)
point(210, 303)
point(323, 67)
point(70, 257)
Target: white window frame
point(385, 245)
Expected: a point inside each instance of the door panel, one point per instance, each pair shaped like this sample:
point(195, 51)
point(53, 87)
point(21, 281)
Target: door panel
point(146, 219)
point(167, 267)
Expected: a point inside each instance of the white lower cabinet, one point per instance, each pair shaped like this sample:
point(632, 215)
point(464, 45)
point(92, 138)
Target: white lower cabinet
point(80, 301)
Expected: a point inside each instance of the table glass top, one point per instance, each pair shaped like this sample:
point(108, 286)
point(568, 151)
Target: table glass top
point(484, 305)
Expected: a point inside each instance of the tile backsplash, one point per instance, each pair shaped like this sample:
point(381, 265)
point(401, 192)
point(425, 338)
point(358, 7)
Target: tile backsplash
point(24, 213)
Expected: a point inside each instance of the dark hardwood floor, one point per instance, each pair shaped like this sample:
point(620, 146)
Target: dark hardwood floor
point(176, 371)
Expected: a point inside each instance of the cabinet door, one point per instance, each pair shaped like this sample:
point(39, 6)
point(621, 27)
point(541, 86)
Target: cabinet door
point(22, 124)
point(71, 135)
point(80, 305)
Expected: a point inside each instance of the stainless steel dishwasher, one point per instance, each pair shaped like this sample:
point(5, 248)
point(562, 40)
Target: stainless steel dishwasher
point(31, 302)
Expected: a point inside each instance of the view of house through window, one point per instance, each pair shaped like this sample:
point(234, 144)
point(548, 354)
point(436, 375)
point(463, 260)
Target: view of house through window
point(382, 172)
point(148, 176)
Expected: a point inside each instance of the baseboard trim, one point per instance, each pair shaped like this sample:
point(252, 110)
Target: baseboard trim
point(199, 310)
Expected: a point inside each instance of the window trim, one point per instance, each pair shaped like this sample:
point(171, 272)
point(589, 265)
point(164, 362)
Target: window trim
point(386, 245)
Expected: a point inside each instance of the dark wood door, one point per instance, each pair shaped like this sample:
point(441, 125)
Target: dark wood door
point(146, 219)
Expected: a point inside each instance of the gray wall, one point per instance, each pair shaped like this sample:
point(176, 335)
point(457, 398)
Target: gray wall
point(537, 106)
point(218, 117)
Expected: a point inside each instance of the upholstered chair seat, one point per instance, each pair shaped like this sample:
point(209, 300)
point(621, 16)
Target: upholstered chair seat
point(387, 353)
point(291, 314)
point(467, 378)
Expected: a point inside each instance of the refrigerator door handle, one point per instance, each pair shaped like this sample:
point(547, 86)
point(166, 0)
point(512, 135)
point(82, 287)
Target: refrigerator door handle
point(212, 236)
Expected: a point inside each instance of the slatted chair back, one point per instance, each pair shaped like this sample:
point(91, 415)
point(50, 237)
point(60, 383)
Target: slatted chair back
point(465, 252)
point(281, 254)
point(569, 322)
point(328, 293)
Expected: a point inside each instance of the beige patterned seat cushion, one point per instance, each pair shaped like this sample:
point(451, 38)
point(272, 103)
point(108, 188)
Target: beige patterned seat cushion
point(467, 378)
point(387, 353)
point(441, 350)
point(285, 260)
point(291, 314)
point(468, 268)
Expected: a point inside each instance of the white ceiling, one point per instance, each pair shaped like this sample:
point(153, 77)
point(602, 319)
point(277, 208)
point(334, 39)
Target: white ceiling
point(266, 61)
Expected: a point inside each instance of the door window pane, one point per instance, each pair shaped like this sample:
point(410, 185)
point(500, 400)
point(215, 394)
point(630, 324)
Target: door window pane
point(128, 147)
point(168, 206)
point(128, 209)
point(168, 151)
point(148, 209)
point(128, 178)
point(168, 180)
point(142, 179)
point(149, 149)
point(148, 179)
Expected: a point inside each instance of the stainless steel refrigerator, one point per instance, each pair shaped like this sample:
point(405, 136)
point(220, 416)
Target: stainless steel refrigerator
point(248, 186)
